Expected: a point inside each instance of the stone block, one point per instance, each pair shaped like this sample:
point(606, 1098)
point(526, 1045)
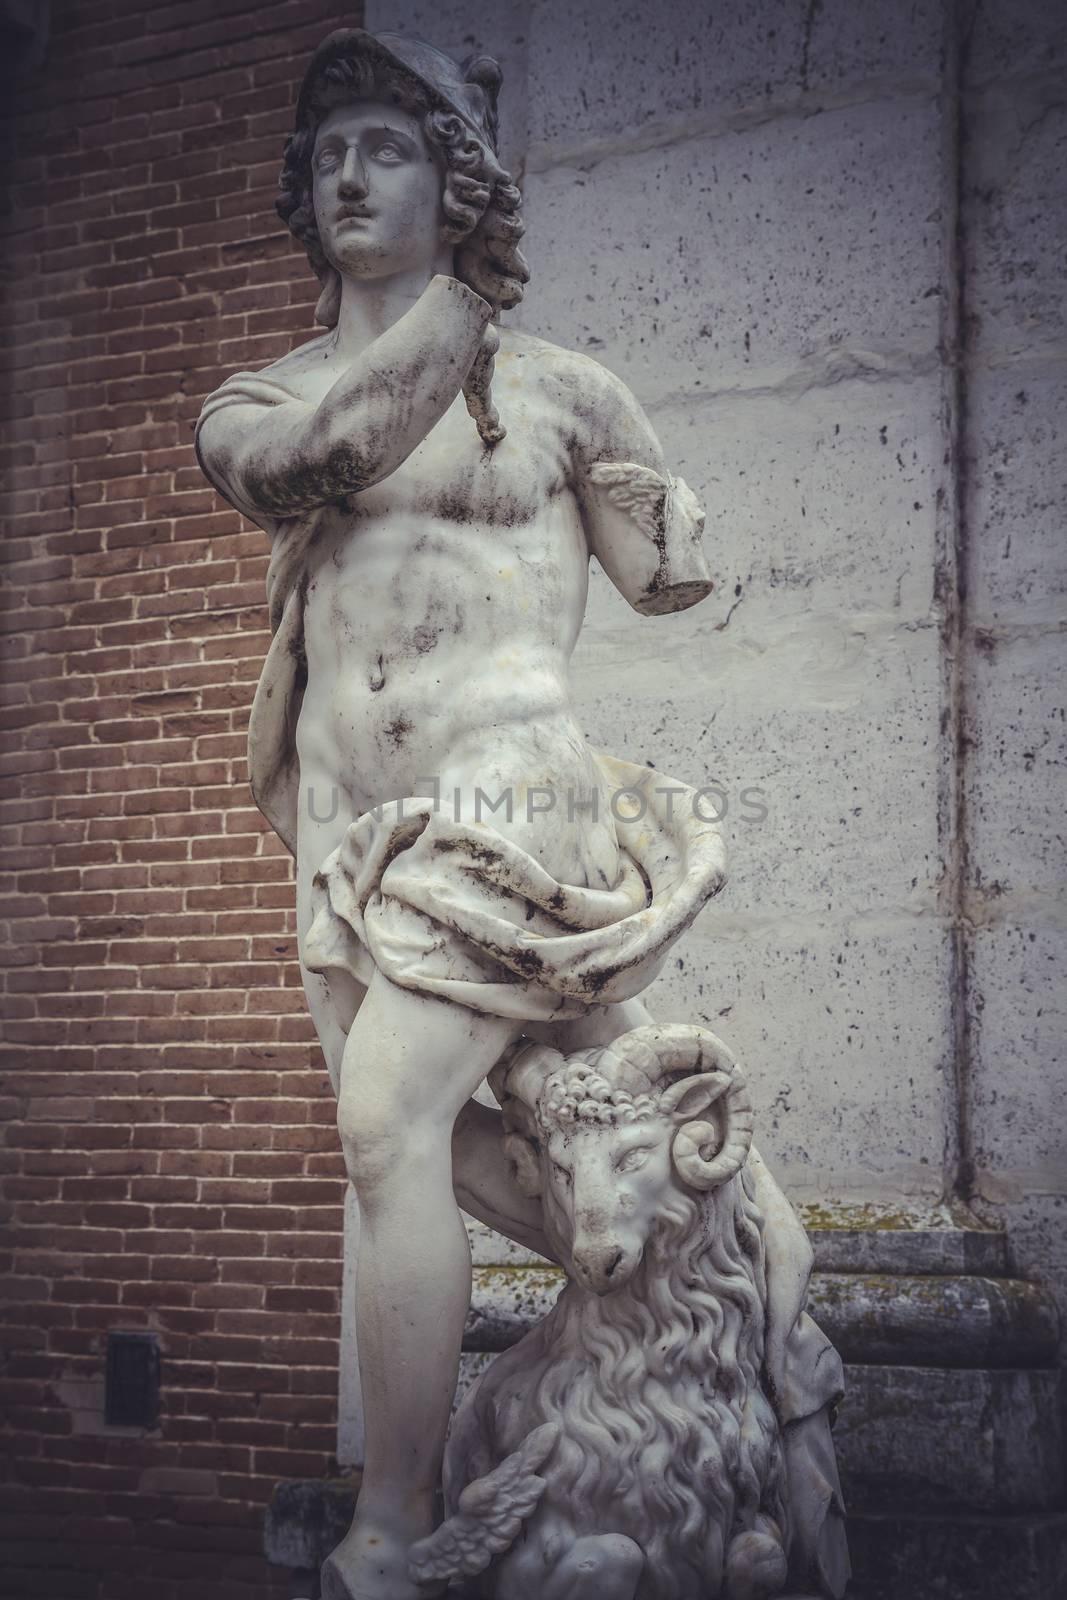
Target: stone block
point(827, 496)
point(841, 1029)
point(1016, 161)
point(1018, 758)
point(765, 256)
point(1009, 40)
point(1017, 428)
point(306, 1518)
point(883, 1247)
point(816, 736)
point(1038, 1233)
point(943, 1557)
point(935, 1321)
point(919, 1437)
point(603, 70)
point(1020, 1017)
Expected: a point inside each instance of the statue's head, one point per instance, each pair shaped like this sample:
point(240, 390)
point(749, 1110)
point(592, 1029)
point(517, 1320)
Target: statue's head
point(393, 159)
point(607, 1136)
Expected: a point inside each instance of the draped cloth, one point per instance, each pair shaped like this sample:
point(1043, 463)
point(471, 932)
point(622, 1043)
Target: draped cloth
point(459, 910)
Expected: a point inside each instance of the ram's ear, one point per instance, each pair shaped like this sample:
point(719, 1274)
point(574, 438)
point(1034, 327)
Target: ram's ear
point(522, 1157)
point(688, 1097)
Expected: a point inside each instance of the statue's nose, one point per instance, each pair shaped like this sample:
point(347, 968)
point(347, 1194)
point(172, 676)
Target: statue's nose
point(597, 1266)
point(353, 181)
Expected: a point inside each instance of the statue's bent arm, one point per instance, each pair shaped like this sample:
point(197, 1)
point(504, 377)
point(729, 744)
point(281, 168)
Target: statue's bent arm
point(642, 523)
point(285, 460)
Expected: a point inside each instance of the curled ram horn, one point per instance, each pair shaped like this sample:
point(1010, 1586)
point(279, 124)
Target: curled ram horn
point(517, 1081)
point(518, 1078)
point(705, 1073)
point(633, 1060)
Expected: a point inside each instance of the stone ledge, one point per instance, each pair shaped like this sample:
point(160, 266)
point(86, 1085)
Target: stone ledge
point(912, 1251)
point(882, 1319)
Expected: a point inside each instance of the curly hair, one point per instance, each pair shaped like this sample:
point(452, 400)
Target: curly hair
point(577, 1093)
point(481, 204)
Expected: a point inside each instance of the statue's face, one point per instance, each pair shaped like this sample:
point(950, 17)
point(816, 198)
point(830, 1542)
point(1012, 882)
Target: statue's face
point(377, 192)
point(605, 1187)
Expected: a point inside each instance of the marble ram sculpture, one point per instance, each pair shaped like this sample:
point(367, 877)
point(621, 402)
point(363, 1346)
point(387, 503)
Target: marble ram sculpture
point(628, 1448)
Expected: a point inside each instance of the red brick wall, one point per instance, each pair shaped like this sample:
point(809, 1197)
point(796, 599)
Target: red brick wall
point(169, 1159)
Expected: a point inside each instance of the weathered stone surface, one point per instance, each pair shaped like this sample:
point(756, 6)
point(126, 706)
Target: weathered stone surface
point(910, 1240)
point(936, 1321)
point(1015, 190)
point(775, 717)
point(826, 496)
point(976, 1440)
point(1020, 1015)
point(882, 1248)
point(508, 1302)
point(1017, 421)
point(941, 1557)
point(1017, 766)
point(592, 80)
point(875, 1319)
point(1008, 41)
point(844, 282)
point(306, 1518)
point(815, 1009)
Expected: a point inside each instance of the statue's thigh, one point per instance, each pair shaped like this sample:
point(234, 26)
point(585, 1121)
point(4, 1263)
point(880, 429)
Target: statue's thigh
point(333, 1006)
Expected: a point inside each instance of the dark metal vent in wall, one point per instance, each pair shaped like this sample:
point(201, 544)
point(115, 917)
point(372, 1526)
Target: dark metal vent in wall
point(131, 1384)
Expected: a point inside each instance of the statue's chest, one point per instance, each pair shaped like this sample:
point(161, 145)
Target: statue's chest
point(453, 477)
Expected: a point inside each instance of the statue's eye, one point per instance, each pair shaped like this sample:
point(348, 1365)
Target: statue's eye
point(326, 160)
point(633, 1160)
point(388, 151)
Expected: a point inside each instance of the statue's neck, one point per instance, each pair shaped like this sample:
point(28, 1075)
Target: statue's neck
point(371, 305)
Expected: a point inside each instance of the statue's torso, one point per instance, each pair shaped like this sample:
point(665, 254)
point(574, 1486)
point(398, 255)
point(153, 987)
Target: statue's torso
point(440, 613)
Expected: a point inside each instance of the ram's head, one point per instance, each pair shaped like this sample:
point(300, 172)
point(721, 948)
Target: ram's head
point(605, 1134)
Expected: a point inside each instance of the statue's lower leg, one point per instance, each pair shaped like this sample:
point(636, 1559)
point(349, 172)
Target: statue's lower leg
point(409, 1064)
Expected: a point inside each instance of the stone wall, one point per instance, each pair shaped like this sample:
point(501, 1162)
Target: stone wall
point(1013, 686)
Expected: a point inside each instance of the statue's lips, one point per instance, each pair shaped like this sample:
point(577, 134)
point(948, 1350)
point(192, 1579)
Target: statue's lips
point(347, 218)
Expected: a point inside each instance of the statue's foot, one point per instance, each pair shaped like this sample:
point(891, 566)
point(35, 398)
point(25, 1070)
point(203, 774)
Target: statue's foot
point(371, 1563)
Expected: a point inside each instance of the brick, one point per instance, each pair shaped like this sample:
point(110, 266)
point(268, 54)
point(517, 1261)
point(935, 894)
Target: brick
point(134, 605)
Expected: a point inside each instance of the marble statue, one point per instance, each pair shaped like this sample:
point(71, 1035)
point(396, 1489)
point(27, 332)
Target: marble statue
point(472, 878)
point(642, 1401)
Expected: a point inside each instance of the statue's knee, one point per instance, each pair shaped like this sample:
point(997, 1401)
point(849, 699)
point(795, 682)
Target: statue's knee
point(378, 1138)
point(368, 1137)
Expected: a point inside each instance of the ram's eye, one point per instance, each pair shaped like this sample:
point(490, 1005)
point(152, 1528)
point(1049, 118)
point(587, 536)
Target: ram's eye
point(633, 1160)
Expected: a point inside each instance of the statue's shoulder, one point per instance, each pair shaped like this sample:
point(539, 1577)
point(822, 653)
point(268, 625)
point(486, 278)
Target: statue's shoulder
point(570, 373)
point(290, 377)
point(592, 405)
point(290, 369)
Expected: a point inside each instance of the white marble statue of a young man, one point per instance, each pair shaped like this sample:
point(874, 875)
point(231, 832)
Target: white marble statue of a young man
point(427, 584)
